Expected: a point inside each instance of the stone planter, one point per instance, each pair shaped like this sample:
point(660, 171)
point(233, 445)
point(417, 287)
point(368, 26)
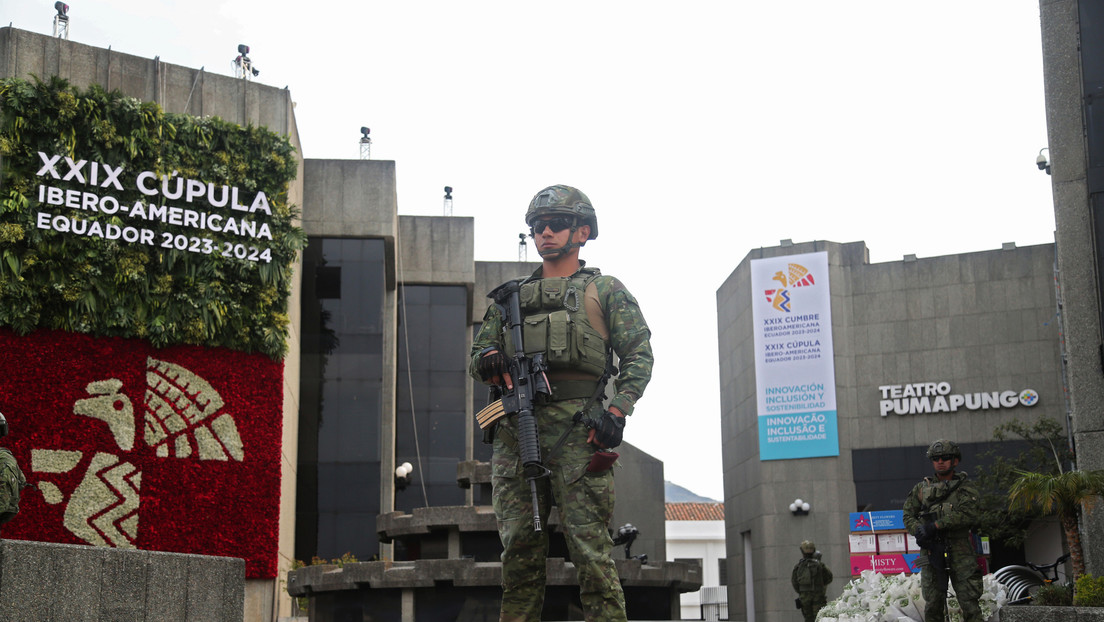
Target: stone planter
point(1028, 613)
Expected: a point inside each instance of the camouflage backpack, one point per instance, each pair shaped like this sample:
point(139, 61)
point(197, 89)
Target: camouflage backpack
point(12, 482)
point(807, 576)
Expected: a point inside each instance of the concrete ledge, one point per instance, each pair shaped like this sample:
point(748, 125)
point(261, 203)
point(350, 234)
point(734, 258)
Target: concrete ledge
point(1027, 613)
point(471, 472)
point(46, 581)
point(465, 518)
point(675, 576)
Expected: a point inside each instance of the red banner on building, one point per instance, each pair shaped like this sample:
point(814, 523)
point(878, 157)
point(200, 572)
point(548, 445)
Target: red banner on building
point(128, 446)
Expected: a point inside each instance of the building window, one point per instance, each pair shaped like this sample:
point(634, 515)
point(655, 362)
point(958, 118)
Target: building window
point(341, 371)
point(430, 420)
point(722, 571)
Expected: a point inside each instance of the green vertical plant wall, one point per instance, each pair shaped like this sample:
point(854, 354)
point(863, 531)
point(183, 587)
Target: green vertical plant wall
point(118, 219)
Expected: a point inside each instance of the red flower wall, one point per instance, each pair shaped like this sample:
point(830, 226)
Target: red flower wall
point(213, 490)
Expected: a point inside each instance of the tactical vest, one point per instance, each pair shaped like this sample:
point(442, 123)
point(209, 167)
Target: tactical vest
point(555, 324)
point(938, 496)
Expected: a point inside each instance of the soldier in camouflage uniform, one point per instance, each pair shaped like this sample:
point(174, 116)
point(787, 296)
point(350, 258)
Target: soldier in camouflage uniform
point(810, 579)
point(940, 512)
point(575, 316)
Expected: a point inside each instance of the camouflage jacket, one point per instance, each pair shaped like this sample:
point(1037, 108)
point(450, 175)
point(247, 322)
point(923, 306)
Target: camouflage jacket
point(628, 334)
point(955, 504)
point(810, 577)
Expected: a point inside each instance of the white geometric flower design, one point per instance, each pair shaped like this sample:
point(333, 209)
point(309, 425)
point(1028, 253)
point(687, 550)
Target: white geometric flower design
point(183, 417)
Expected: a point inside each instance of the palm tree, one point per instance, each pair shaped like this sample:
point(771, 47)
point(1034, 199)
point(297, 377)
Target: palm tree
point(1063, 494)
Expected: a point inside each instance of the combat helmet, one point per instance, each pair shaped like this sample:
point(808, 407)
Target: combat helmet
point(565, 200)
point(3, 426)
point(944, 447)
point(808, 547)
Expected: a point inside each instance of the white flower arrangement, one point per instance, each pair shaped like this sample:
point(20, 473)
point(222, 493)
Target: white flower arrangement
point(875, 597)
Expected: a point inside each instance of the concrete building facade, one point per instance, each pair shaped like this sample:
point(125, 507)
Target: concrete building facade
point(971, 324)
point(1073, 74)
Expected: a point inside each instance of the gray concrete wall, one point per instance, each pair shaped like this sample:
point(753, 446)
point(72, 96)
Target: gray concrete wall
point(981, 321)
point(175, 88)
point(1080, 283)
point(638, 484)
point(41, 581)
point(350, 198)
point(438, 250)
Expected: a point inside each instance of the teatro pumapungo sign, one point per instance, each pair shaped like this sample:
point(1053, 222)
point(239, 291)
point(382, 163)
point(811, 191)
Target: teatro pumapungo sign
point(921, 398)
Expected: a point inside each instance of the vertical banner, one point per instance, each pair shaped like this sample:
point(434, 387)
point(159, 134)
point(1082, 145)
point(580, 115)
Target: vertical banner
point(795, 378)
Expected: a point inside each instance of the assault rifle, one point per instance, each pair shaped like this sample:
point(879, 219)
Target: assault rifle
point(937, 545)
point(529, 379)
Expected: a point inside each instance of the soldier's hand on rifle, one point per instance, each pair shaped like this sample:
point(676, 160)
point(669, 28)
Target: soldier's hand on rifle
point(493, 369)
point(608, 430)
point(925, 534)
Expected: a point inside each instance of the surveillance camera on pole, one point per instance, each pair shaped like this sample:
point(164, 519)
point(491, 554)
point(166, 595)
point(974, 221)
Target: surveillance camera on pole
point(243, 66)
point(365, 144)
point(61, 20)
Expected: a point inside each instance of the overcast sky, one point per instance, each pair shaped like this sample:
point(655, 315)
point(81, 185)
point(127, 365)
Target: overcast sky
point(699, 130)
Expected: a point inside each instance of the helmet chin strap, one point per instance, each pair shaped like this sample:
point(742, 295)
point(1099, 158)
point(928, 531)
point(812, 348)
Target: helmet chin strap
point(556, 253)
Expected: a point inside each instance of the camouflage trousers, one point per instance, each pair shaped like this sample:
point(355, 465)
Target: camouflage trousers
point(964, 574)
point(585, 501)
point(811, 603)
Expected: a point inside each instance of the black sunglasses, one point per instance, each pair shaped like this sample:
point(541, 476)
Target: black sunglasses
point(558, 224)
point(942, 458)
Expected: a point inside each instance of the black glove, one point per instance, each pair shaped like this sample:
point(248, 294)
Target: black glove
point(492, 365)
point(609, 429)
point(925, 535)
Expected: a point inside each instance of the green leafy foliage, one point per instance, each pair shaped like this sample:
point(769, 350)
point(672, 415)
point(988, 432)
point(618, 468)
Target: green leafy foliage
point(208, 293)
point(1063, 494)
point(1089, 591)
point(1053, 595)
point(1046, 451)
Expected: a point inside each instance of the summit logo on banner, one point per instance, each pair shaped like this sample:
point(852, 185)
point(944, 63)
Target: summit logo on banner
point(794, 364)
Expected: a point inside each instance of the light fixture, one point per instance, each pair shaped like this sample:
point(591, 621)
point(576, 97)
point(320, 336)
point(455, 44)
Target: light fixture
point(1042, 162)
point(799, 507)
point(448, 192)
point(402, 475)
point(364, 132)
point(61, 8)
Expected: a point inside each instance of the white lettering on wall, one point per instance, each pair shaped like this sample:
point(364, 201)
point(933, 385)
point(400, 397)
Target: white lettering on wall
point(920, 398)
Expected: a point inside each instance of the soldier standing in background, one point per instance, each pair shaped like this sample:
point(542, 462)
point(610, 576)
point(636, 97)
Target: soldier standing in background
point(810, 579)
point(577, 318)
point(939, 513)
point(12, 480)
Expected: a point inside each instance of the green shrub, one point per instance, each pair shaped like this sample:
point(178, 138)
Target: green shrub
point(1089, 592)
point(1054, 595)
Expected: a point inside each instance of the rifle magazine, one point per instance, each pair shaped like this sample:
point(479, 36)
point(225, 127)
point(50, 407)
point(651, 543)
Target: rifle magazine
point(491, 412)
